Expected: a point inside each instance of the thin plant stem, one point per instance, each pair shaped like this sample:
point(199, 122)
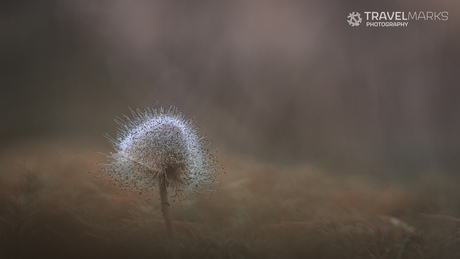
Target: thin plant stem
point(165, 209)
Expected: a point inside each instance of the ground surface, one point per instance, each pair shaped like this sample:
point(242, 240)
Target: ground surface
point(50, 208)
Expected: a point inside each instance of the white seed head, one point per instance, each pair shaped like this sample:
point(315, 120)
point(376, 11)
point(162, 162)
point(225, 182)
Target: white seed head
point(155, 142)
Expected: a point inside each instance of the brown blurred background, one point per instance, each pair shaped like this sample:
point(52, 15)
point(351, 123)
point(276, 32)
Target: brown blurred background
point(286, 81)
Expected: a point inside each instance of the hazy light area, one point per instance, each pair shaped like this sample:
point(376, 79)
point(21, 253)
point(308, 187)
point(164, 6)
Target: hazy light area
point(319, 123)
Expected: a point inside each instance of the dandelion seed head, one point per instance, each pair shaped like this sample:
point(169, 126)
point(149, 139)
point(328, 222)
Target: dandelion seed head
point(157, 141)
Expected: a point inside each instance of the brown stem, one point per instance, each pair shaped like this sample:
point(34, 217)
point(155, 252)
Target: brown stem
point(165, 209)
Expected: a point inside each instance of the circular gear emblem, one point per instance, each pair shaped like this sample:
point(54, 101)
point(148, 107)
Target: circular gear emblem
point(354, 19)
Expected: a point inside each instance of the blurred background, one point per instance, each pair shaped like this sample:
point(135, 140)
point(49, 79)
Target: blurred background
point(337, 141)
point(283, 81)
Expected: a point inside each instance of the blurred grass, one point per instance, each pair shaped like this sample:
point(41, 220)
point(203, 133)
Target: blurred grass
point(50, 209)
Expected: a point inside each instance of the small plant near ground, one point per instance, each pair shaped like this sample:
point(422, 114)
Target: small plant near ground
point(160, 149)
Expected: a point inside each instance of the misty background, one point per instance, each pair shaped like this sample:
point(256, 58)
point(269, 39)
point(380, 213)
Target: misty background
point(283, 81)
